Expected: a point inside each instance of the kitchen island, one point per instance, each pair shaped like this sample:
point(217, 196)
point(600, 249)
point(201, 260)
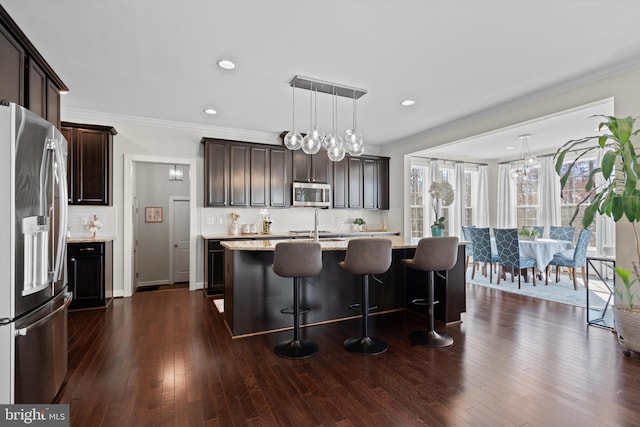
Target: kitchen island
point(254, 294)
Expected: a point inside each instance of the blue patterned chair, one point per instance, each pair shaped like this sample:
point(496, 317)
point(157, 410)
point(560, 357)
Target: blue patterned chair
point(481, 241)
point(561, 233)
point(579, 258)
point(466, 235)
point(509, 254)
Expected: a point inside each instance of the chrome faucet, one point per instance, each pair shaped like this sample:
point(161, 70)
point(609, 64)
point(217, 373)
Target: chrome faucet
point(315, 227)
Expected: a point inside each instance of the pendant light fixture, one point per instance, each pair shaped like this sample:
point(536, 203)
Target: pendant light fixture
point(333, 142)
point(175, 173)
point(293, 139)
point(526, 161)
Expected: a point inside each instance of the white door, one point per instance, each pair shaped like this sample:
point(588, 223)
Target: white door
point(179, 241)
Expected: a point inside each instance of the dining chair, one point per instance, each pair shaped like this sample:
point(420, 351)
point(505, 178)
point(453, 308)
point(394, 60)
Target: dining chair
point(481, 241)
point(469, 248)
point(561, 233)
point(579, 259)
point(509, 254)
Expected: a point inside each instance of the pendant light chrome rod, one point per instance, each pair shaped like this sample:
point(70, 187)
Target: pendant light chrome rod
point(327, 87)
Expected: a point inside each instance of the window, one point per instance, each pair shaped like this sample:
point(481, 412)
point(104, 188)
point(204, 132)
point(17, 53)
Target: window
point(527, 201)
point(574, 192)
point(417, 194)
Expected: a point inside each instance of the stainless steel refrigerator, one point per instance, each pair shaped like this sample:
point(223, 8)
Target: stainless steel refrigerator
point(33, 230)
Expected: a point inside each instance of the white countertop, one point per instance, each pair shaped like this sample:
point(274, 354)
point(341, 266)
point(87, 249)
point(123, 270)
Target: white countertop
point(328, 244)
point(96, 239)
point(291, 234)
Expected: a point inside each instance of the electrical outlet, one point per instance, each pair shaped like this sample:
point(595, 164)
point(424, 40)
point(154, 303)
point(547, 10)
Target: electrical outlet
point(219, 220)
point(210, 220)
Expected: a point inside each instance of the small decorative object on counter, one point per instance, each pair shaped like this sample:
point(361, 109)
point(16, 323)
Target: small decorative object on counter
point(234, 230)
point(358, 224)
point(442, 195)
point(94, 225)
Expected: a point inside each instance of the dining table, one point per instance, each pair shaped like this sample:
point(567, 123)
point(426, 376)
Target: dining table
point(542, 250)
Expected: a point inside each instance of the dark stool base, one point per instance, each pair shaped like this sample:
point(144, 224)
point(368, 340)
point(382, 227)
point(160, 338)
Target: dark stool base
point(365, 345)
point(431, 338)
point(296, 349)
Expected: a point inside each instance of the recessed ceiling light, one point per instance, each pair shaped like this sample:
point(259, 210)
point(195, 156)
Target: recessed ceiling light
point(210, 111)
point(408, 102)
point(226, 64)
point(509, 148)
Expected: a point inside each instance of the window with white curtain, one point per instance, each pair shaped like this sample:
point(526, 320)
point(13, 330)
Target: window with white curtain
point(417, 193)
point(527, 198)
point(470, 195)
point(574, 191)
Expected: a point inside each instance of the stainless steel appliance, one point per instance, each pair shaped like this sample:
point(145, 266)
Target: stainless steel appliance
point(33, 224)
point(311, 194)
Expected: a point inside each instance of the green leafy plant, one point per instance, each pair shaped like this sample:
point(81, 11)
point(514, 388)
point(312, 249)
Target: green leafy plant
point(439, 222)
point(442, 194)
point(531, 232)
point(359, 221)
point(617, 195)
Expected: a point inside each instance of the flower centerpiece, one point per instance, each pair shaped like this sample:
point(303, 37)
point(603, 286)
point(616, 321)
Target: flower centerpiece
point(94, 225)
point(442, 195)
point(234, 229)
point(358, 224)
point(528, 233)
point(616, 196)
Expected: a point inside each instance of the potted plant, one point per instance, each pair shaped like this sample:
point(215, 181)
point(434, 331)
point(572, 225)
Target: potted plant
point(441, 195)
point(616, 197)
point(359, 224)
point(528, 233)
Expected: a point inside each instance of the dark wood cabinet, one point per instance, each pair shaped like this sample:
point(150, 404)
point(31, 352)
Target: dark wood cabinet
point(216, 174)
point(239, 168)
point(375, 180)
point(341, 183)
point(214, 267)
point(383, 182)
point(260, 176)
point(311, 167)
point(355, 182)
point(279, 177)
point(90, 159)
point(25, 77)
point(90, 273)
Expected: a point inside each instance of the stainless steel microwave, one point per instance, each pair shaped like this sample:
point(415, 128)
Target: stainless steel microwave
point(311, 194)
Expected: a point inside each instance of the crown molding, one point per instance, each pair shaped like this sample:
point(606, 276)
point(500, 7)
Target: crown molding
point(207, 131)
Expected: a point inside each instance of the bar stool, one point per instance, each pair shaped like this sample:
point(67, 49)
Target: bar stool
point(297, 260)
point(432, 254)
point(366, 257)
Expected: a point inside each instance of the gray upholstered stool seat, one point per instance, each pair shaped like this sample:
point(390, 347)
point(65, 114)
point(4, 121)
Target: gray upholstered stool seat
point(297, 260)
point(432, 254)
point(365, 257)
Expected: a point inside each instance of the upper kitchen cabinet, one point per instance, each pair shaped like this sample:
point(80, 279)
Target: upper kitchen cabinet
point(280, 177)
point(25, 77)
point(89, 163)
point(216, 173)
point(239, 168)
point(311, 167)
point(375, 190)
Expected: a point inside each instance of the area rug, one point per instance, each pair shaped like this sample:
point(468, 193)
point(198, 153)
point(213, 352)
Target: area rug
point(219, 303)
point(562, 291)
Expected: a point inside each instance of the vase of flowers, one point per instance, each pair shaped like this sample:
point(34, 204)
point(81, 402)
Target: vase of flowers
point(442, 195)
point(358, 224)
point(94, 225)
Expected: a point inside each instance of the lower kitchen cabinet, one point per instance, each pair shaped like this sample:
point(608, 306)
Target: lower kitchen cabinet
point(213, 267)
point(90, 273)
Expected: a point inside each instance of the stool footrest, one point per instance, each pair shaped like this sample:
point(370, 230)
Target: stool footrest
point(358, 307)
point(289, 310)
point(422, 301)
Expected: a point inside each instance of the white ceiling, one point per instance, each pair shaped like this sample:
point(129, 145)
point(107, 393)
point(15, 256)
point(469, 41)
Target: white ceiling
point(157, 59)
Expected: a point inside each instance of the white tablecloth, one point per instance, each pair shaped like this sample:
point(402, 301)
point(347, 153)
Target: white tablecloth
point(542, 250)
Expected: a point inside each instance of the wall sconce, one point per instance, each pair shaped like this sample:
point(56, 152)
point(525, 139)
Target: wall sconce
point(175, 173)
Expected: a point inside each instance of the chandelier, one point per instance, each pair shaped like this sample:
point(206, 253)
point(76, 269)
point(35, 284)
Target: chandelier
point(335, 144)
point(175, 173)
point(526, 161)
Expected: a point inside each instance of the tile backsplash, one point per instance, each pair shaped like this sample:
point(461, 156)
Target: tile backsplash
point(79, 216)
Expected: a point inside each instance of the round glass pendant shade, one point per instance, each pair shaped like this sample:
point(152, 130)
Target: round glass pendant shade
point(310, 146)
point(355, 147)
point(293, 140)
point(336, 153)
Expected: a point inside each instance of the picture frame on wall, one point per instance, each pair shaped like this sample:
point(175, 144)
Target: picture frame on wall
point(153, 214)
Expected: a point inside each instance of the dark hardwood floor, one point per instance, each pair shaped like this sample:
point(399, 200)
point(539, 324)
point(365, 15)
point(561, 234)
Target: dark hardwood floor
point(166, 358)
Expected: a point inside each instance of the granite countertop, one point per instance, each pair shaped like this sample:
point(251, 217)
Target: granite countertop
point(88, 239)
point(299, 234)
point(327, 244)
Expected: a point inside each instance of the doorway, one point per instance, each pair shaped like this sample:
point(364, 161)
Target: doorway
point(131, 226)
point(179, 239)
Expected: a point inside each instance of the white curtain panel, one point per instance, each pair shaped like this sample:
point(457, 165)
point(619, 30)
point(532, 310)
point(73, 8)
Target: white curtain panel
point(549, 195)
point(481, 207)
point(430, 216)
point(507, 214)
point(457, 208)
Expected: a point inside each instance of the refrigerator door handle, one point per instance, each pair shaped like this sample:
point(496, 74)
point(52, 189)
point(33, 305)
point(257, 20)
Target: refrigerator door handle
point(68, 297)
point(61, 163)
